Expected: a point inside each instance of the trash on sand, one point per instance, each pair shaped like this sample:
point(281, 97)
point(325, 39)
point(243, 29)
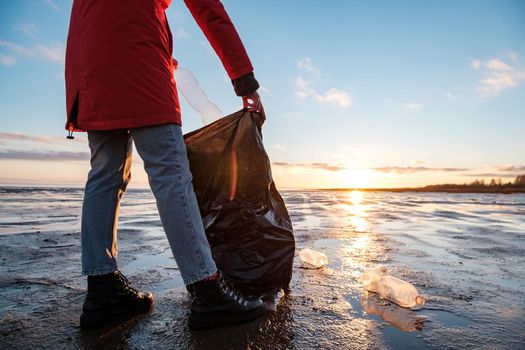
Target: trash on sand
point(370, 279)
point(401, 292)
point(244, 216)
point(311, 259)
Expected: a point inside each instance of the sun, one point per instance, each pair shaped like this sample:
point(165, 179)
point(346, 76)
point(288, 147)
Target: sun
point(356, 178)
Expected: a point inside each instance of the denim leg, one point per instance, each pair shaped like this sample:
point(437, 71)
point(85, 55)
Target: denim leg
point(164, 153)
point(107, 180)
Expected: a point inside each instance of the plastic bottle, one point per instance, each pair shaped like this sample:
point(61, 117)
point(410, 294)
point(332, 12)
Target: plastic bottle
point(398, 291)
point(370, 278)
point(311, 259)
point(189, 87)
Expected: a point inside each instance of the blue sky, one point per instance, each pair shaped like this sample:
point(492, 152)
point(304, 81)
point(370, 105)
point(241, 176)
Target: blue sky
point(376, 93)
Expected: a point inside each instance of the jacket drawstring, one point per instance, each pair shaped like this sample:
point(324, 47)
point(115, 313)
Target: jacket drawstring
point(70, 132)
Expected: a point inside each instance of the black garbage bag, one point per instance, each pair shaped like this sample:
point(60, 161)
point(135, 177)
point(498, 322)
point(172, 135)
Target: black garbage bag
point(245, 218)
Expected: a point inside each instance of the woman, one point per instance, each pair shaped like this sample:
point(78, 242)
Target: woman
point(121, 90)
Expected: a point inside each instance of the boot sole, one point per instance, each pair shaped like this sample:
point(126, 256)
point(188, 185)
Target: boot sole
point(98, 319)
point(210, 321)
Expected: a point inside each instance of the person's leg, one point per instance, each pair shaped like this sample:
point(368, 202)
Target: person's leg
point(215, 303)
point(109, 295)
point(107, 180)
point(164, 153)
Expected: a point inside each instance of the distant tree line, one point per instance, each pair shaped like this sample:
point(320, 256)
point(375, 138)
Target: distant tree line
point(495, 185)
point(476, 186)
point(520, 180)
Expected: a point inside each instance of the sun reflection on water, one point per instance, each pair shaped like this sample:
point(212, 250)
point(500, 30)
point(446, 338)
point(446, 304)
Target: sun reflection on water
point(357, 251)
point(352, 204)
point(360, 242)
point(357, 197)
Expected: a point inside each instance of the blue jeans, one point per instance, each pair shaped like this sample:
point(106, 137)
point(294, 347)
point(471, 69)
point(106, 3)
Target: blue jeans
point(163, 151)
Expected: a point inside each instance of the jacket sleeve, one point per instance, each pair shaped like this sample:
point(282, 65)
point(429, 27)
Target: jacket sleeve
point(216, 25)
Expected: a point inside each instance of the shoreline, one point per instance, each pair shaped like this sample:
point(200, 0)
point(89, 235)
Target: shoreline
point(518, 190)
point(426, 190)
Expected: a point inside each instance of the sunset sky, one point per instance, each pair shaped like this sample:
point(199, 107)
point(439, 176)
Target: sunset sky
point(357, 93)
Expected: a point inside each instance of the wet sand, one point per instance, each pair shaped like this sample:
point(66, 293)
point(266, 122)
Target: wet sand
point(464, 252)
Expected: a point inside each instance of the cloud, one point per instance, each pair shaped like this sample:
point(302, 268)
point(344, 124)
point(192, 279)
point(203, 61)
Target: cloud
point(7, 61)
point(412, 170)
point(334, 96)
point(339, 97)
point(6, 137)
point(52, 4)
point(263, 89)
point(28, 29)
point(500, 81)
point(19, 49)
point(493, 64)
point(284, 164)
point(491, 175)
point(413, 106)
point(305, 90)
point(293, 115)
point(326, 166)
point(499, 75)
point(279, 147)
point(43, 155)
point(513, 56)
point(451, 97)
point(181, 33)
point(302, 83)
point(511, 168)
point(306, 64)
point(207, 46)
point(319, 166)
point(55, 141)
point(53, 53)
point(509, 171)
point(476, 64)
point(496, 64)
point(494, 171)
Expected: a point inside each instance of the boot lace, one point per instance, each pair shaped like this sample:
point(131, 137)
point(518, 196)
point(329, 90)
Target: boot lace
point(124, 286)
point(228, 289)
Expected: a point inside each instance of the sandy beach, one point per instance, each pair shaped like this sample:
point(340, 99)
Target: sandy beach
point(464, 252)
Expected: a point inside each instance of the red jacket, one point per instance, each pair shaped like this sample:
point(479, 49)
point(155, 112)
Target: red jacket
point(119, 72)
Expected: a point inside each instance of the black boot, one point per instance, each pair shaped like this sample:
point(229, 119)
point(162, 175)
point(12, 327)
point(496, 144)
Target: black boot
point(110, 297)
point(216, 303)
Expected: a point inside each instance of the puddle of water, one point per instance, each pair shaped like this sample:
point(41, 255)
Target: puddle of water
point(327, 243)
point(164, 259)
point(447, 318)
point(403, 326)
point(397, 339)
point(6, 306)
point(169, 284)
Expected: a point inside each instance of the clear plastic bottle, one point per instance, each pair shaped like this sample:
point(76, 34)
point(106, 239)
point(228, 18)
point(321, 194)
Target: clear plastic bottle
point(370, 278)
point(311, 259)
point(190, 88)
point(398, 291)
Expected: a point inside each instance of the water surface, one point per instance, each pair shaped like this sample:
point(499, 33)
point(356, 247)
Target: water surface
point(464, 252)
